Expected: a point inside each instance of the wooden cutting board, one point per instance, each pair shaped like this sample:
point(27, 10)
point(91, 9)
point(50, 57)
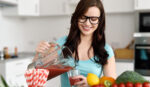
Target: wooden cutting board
point(124, 53)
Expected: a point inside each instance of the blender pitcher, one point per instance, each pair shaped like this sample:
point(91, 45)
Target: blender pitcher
point(57, 60)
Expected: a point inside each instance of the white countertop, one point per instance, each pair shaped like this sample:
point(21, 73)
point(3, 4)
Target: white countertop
point(147, 77)
point(20, 56)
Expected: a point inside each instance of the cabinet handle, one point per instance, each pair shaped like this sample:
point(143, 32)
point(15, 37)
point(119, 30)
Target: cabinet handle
point(136, 3)
point(65, 7)
point(142, 47)
point(19, 75)
point(19, 63)
point(36, 8)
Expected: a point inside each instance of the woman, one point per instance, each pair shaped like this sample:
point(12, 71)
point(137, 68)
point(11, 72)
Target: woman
point(86, 39)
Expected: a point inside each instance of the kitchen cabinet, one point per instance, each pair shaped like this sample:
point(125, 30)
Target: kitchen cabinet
point(142, 5)
point(111, 6)
point(124, 66)
point(118, 6)
point(13, 71)
point(8, 2)
point(71, 6)
point(38, 8)
point(55, 82)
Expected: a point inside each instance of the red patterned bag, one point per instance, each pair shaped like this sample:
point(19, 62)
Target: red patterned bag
point(36, 77)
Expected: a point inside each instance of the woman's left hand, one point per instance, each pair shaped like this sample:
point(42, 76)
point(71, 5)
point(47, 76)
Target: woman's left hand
point(82, 82)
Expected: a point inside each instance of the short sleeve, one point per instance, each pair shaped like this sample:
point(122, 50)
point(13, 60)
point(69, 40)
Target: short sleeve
point(61, 41)
point(109, 51)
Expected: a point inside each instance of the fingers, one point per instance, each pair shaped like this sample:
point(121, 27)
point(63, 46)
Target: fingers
point(82, 82)
point(53, 44)
point(43, 46)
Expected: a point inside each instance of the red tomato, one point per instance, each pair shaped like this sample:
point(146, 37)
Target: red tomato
point(129, 84)
point(138, 85)
point(121, 85)
point(146, 84)
point(114, 85)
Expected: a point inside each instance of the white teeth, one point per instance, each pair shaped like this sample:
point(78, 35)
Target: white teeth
point(86, 28)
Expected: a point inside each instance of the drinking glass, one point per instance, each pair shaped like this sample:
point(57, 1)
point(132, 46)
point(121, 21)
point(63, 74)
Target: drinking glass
point(71, 74)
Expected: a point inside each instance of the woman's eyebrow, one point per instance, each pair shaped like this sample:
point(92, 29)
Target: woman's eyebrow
point(91, 16)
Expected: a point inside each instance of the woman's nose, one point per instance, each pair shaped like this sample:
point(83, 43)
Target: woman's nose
point(88, 22)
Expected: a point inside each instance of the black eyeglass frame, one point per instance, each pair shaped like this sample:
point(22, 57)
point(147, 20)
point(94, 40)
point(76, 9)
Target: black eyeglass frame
point(89, 17)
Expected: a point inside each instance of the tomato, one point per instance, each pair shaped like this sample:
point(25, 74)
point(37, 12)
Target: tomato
point(129, 84)
point(114, 85)
point(138, 85)
point(121, 85)
point(146, 84)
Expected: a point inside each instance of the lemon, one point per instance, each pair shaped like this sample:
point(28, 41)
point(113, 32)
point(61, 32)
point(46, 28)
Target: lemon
point(92, 79)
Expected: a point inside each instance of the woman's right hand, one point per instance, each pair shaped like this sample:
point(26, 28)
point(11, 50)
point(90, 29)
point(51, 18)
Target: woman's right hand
point(42, 47)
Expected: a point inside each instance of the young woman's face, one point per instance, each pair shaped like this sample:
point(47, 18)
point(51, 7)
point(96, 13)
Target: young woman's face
point(88, 23)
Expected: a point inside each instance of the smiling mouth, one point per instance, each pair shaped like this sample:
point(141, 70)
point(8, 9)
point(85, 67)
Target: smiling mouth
point(86, 28)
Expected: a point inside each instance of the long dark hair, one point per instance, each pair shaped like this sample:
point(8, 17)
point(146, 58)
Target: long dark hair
point(98, 39)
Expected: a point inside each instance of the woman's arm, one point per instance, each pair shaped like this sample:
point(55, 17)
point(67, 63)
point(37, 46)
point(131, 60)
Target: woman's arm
point(110, 68)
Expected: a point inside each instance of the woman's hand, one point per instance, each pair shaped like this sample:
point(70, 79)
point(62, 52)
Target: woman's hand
point(42, 47)
point(82, 82)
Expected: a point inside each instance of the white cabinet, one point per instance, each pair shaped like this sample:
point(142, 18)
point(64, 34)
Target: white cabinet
point(72, 5)
point(55, 82)
point(124, 66)
point(111, 6)
point(38, 8)
point(142, 4)
point(13, 71)
point(118, 6)
point(8, 2)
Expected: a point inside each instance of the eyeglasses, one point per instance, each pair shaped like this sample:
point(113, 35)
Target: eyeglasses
point(93, 19)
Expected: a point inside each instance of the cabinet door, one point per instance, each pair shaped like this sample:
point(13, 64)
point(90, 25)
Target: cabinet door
point(53, 7)
point(42, 7)
point(118, 6)
point(28, 7)
point(8, 2)
point(124, 66)
point(111, 6)
point(14, 71)
point(142, 4)
point(55, 82)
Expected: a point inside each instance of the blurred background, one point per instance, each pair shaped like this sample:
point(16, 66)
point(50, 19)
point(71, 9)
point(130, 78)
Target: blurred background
point(24, 23)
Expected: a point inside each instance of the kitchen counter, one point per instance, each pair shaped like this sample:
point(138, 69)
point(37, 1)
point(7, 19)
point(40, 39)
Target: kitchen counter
point(20, 56)
point(13, 69)
point(124, 60)
point(26, 54)
point(31, 55)
point(126, 64)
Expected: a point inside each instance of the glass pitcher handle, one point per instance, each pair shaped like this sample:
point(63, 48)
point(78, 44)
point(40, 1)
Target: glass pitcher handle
point(39, 61)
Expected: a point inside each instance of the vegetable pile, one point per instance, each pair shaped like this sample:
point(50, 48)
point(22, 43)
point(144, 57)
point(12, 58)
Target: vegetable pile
point(126, 79)
point(130, 76)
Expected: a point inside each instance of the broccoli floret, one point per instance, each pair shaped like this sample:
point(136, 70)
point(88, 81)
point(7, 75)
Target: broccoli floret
point(130, 76)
